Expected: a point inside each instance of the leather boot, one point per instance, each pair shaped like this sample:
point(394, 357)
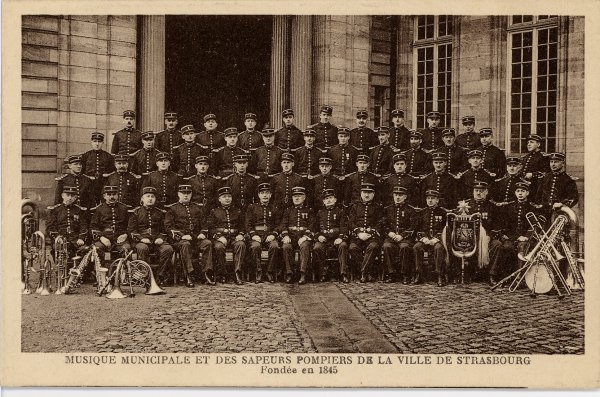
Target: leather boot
point(270, 277)
point(405, 280)
point(302, 279)
point(258, 277)
point(440, 282)
point(417, 279)
point(188, 282)
point(209, 279)
point(238, 278)
point(345, 279)
point(288, 278)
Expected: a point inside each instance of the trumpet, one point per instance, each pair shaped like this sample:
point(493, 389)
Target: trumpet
point(539, 233)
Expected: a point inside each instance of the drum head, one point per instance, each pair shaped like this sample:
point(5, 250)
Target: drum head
point(538, 279)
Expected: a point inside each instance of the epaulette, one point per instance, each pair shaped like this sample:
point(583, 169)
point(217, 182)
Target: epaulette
point(254, 176)
point(80, 207)
point(170, 205)
point(188, 177)
point(134, 209)
point(92, 178)
point(354, 147)
point(413, 207)
point(502, 178)
point(202, 146)
point(313, 125)
point(179, 175)
point(126, 205)
point(295, 149)
point(51, 207)
point(425, 176)
point(134, 153)
point(386, 176)
point(453, 175)
point(538, 206)
point(572, 177)
point(58, 178)
point(93, 209)
point(224, 178)
point(419, 209)
point(107, 175)
point(161, 210)
point(245, 151)
point(217, 150)
point(178, 146)
point(489, 173)
point(373, 147)
point(321, 150)
point(136, 176)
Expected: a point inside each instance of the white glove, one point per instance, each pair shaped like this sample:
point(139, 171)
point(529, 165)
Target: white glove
point(337, 241)
point(392, 235)
point(80, 242)
point(121, 238)
point(528, 175)
point(201, 236)
point(302, 239)
point(434, 241)
point(286, 240)
point(270, 238)
point(522, 238)
point(398, 237)
point(322, 239)
point(186, 237)
point(105, 241)
point(363, 236)
point(158, 241)
point(145, 241)
point(425, 240)
point(556, 206)
point(223, 240)
point(239, 237)
point(256, 238)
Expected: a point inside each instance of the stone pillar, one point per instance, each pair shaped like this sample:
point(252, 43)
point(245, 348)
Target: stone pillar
point(280, 67)
point(152, 73)
point(301, 69)
point(321, 64)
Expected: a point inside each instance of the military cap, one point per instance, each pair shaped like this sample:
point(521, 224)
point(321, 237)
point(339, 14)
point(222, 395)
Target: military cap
point(513, 160)
point(343, 131)
point(287, 112)
point(224, 190)
point(74, 158)
point(534, 137)
point(110, 189)
point(264, 187)
point(240, 158)
point(437, 156)
point(557, 156)
point(325, 161)
point(397, 113)
point(97, 136)
point(251, 116)
point(474, 153)
point(328, 192)
point(129, 113)
point(468, 119)
point(148, 135)
point(383, 130)
point(149, 190)
point(363, 157)
point(287, 156)
point(362, 113)
point(480, 185)
point(449, 131)
point(367, 187)
point(326, 109)
point(416, 134)
point(432, 193)
point(400, 190)
point(485, 131)
point(230, 131)
point(187, 129)
point(210, 116)
point(170, 115)
point(163, 156)
point(399, 157)
point(434, 114)
point(70, 189)
point(309, 132)
point(202, 159)
point(268, 132)
point(185, 188)
point(298, 190)
point(522, 185)
point(122, 157)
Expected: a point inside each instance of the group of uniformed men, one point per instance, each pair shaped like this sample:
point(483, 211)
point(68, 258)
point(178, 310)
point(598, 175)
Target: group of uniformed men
point(348, 194)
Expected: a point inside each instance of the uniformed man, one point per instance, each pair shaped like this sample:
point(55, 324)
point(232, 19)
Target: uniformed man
point(186, 226)
point(283, 182)
point(143, 161)
point(557, 188)
point(163, 180)
point(441, 181)
point(493, 158)
point(251, 139)
point(325, 180)
point(535, 162)
point(296, 231)
point(456, 155)
point(432, 135)
point(69, 220)
point(399, 223)
point(226, 226)
point(204, 185)
point(381, 155)
point(326, 133)
point(475, 173)
point(242, 184)
point(399, 134)
point(331, 236)
point(262, 220)
point(307, 156)
point(417, 160)
point(147, 230)
point(97, 162)
point(266, 160)
point(400, 178)
point(364, 224)
point(359, 178)
point(127, 183)
point(469, 139)
point(343, 155)
point(362, 137)
point(170, 137)
point(109, 223)
point(83, 183)
point(432, 220)
point(224, 156)
point(212, 139)
point(184, 155)
point(129, 139)
point(504, 188)
point(289, 137)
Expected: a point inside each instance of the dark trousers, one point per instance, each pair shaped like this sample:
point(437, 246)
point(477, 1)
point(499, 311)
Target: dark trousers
point(256, 250)
point(120, 248)
point(363, 253)
point(439, 256)
point(239, 250)
point(504, 258)
point(165, 252)
point(288, 253)
point(402, 250)
point(321, 251)
point(186, 253)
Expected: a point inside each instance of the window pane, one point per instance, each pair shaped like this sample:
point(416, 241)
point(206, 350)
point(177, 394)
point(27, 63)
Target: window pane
point(515, 101)
point(517, 19)
point(527, 18)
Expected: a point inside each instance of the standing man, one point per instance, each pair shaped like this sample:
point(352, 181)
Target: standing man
point(184, 155)
point(417, 160)
point(343, 155)
point(164, 181)
point(212, 139)
point(557, 188)
point(399, 134)
point(82, 183)
point(535, 162)
point(432, 135)
point(143, 161)
point(362, 137)
point(358, 179)
point(242, 184)
point(126, 183)
point(167, 139)
point(250, 139)
point(400, 178)
point(493, 158)
point(283, 182)
point(381, 155)
point(307, 157)
point(204, 186)
point(97, 162)
point(129, 139)
point(324, 181)
point(326, 133)
point(441, 181)
point(475, 173)
point(266, 160)
point(456, 155)
point(504, 188)
point(469, 139)
point(289, 137)
point(224, 155)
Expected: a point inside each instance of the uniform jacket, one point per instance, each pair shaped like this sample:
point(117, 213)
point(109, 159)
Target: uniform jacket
point(504, 188)
point(354, 184)
point(307, 160)
point(365, 217)
point(343, 158)
point(536, 163)
point(109, 220)
point(282, 184)
point(332, 223)
point(69, 221)
point(250, 140)
point(321, 182)
point(127, 140)
point(405, 180)
point(491, 214)
point(184, 158)
point(326, 136)
point(494, 160)
point(432, 138)
point(443, 182)
point(127, 184)
point(212, 140)
point(457, 158)
point(264, 217)
point(400, 219)
point(243, 188)
point(166, 184)
point(224, 158)
point(468, 178)
point(557, 187)
point(516, 223)
point(364, 139)
point(469, 141)
point(266, 160)
point(186, 219)
point(298, 220)
point(204, 189)
point(400, 138)
point(417, 162)
point(96, 163)
point(227, 222)
point(166, 140)
point(82, 182)
point(289, 138)
point(143, 161)
point(381, 159)
point(431, 222)
point(147, 222)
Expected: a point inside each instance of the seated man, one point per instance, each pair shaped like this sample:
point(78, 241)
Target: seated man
point(186, 226)
point(332, 231)
point(399, 226)
point(69, 220)
point(146, 227)
point(295, 229)
point(262, 219)
point(226, 225)
point(432, 220)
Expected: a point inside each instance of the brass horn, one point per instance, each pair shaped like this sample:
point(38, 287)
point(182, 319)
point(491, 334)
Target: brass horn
point(142, 275)
point(116, 292)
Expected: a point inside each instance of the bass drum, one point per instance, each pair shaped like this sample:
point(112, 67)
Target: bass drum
point(538, 279)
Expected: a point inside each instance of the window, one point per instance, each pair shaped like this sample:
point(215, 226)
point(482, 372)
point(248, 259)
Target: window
point(433, 71)
point(533, 65)
point(378, 117)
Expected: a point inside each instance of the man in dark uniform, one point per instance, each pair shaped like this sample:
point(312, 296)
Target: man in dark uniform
point(129, 139)
point(242, 184)
point(400, 178)
point(283, 182)
point(307, 156)
point(147, 230)
point(212, 139)
point(326, 133)
point(362, 137)
point(224, 156)
point(296, 231)
point(185, 223)
point(456, 155)
point(399, 224)
point(127, 183)
point(417, 160)
point(535, 162)
point(170, 137)
point(250, 139)
point(184, 155)
point(399, 134)
point(343, 155)
point(143, 161)
point(96, 163)
point(504, 188)
point(364, 223)
point(204, 186)
point(359, 178)
point(493, 158)
point(262, 219)
point(289, 137)
point(266, 160)
point(163, 180)
point(331, 236)
point(432, 135)
point(69, 220)
point(475, 173)
point(325, 180)
point(469, 139)
point(83, 183)
point(226, 225)
point(432, 220)
point(557, 188)
point(441, 181)
point(381, 155)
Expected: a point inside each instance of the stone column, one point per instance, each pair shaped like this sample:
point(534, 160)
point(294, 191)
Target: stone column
point(280, 67)
point(152, 73)
point(321, 64)
point(301, 69)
